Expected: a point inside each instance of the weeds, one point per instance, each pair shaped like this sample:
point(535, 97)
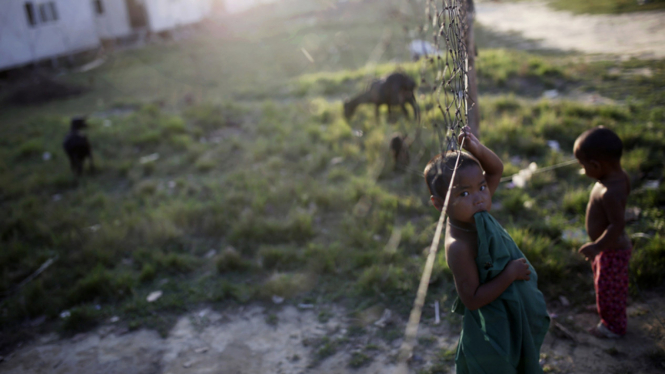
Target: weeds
point(80, 319)
point(293, 187)
point(324, 348)
point(648, 262)
point(230, 260)
point(101, 286)
point(359, 359)
point(604, 6)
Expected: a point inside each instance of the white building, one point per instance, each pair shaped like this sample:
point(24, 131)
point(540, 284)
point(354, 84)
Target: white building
point(118, 18)
point(168, 14)
point(112, 18)
point(35, 30)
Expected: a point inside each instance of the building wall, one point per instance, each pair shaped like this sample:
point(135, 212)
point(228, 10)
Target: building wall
point(114, 21)
point(73, 31)
point(168, 14)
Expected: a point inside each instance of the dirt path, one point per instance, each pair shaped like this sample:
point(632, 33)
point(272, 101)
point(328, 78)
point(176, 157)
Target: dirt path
point(245, 340)
point(570, 349)
point(634, 34)
point(288, 340)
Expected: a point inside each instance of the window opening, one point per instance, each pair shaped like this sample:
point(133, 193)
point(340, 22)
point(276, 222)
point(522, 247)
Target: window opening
point(43, 13)
point(47, 12)
point(54, 11)
point(99, 7)
point(30, 13)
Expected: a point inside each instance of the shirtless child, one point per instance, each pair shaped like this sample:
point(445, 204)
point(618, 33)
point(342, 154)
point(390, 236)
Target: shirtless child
point(505, 316)
point(599, 151)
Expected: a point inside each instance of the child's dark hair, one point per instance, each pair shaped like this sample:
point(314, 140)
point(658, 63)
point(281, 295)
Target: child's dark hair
point(439, 170)
point(600, 143)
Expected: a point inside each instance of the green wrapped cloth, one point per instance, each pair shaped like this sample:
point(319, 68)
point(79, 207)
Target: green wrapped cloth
point(505, 335)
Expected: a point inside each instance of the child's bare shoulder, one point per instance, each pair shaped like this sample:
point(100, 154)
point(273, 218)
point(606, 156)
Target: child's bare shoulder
point(457, 247)
point(460, 256)
point(618, 188)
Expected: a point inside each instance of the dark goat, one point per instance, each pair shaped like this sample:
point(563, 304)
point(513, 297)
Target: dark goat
point(395, 89)
point(77, 146)
point(399, 149)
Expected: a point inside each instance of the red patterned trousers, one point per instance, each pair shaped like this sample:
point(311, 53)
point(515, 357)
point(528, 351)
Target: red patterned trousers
point(610, 278)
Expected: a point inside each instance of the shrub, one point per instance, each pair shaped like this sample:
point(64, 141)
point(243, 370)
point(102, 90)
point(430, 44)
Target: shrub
point(148, 273)
point(30, 148)
point(532, 245)
point(648, 262)
point(80, 319)
point(279, 258)
point(230, 260)
point(181, 141)
point(147, 137)
point(205, 163)
point(179, 263)
point(321, 260)
point(506, 104)
point(258, 229)
point(101, 285)
point(384, 279)
point(146, 188)
point(173, 125)
point(36, 299)
point(286, 285)
point(513, 200)
point(359, 359)
point(575, 201)
point(440, 270)
point(509, 134)
point(208, 116)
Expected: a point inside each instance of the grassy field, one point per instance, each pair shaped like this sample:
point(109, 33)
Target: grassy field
point(608, 6)
point(227, 174)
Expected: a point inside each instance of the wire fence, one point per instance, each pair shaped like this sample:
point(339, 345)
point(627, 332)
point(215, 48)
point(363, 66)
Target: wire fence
point(445, 75)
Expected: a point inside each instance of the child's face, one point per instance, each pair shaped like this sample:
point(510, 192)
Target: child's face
point(592, 168)
point(469, 195)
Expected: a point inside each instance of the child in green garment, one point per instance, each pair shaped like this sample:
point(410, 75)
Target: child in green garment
point(505, 317)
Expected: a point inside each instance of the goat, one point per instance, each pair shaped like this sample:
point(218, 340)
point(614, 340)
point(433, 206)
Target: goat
point(399, 149)
point(395, 89)
point(77, 146)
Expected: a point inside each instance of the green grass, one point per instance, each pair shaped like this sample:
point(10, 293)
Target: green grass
point(359, 359)
point(607, 6)
point(264, 170)
point(443, 362)
point(648, 265)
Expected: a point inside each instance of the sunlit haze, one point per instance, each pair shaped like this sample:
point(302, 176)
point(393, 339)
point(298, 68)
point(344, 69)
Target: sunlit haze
point(236, 6)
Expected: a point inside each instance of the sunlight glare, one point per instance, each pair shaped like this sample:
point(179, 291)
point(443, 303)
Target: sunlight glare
point(237, 6)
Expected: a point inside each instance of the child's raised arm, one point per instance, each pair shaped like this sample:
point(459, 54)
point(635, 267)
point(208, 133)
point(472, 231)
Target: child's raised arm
point(489, 161)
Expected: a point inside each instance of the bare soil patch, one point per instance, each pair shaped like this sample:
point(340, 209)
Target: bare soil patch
point(640, 34)
point(287, 339)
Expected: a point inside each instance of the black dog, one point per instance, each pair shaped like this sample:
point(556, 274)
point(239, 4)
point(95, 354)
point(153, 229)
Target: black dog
point(77, 146)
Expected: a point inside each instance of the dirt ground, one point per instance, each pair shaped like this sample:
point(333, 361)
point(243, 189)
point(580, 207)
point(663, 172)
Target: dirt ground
point(286, 339)
point(247, 340)
point(634, 34)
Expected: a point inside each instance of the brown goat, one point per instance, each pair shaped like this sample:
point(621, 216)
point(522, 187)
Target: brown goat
point(77, 146)
point(395, 89)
